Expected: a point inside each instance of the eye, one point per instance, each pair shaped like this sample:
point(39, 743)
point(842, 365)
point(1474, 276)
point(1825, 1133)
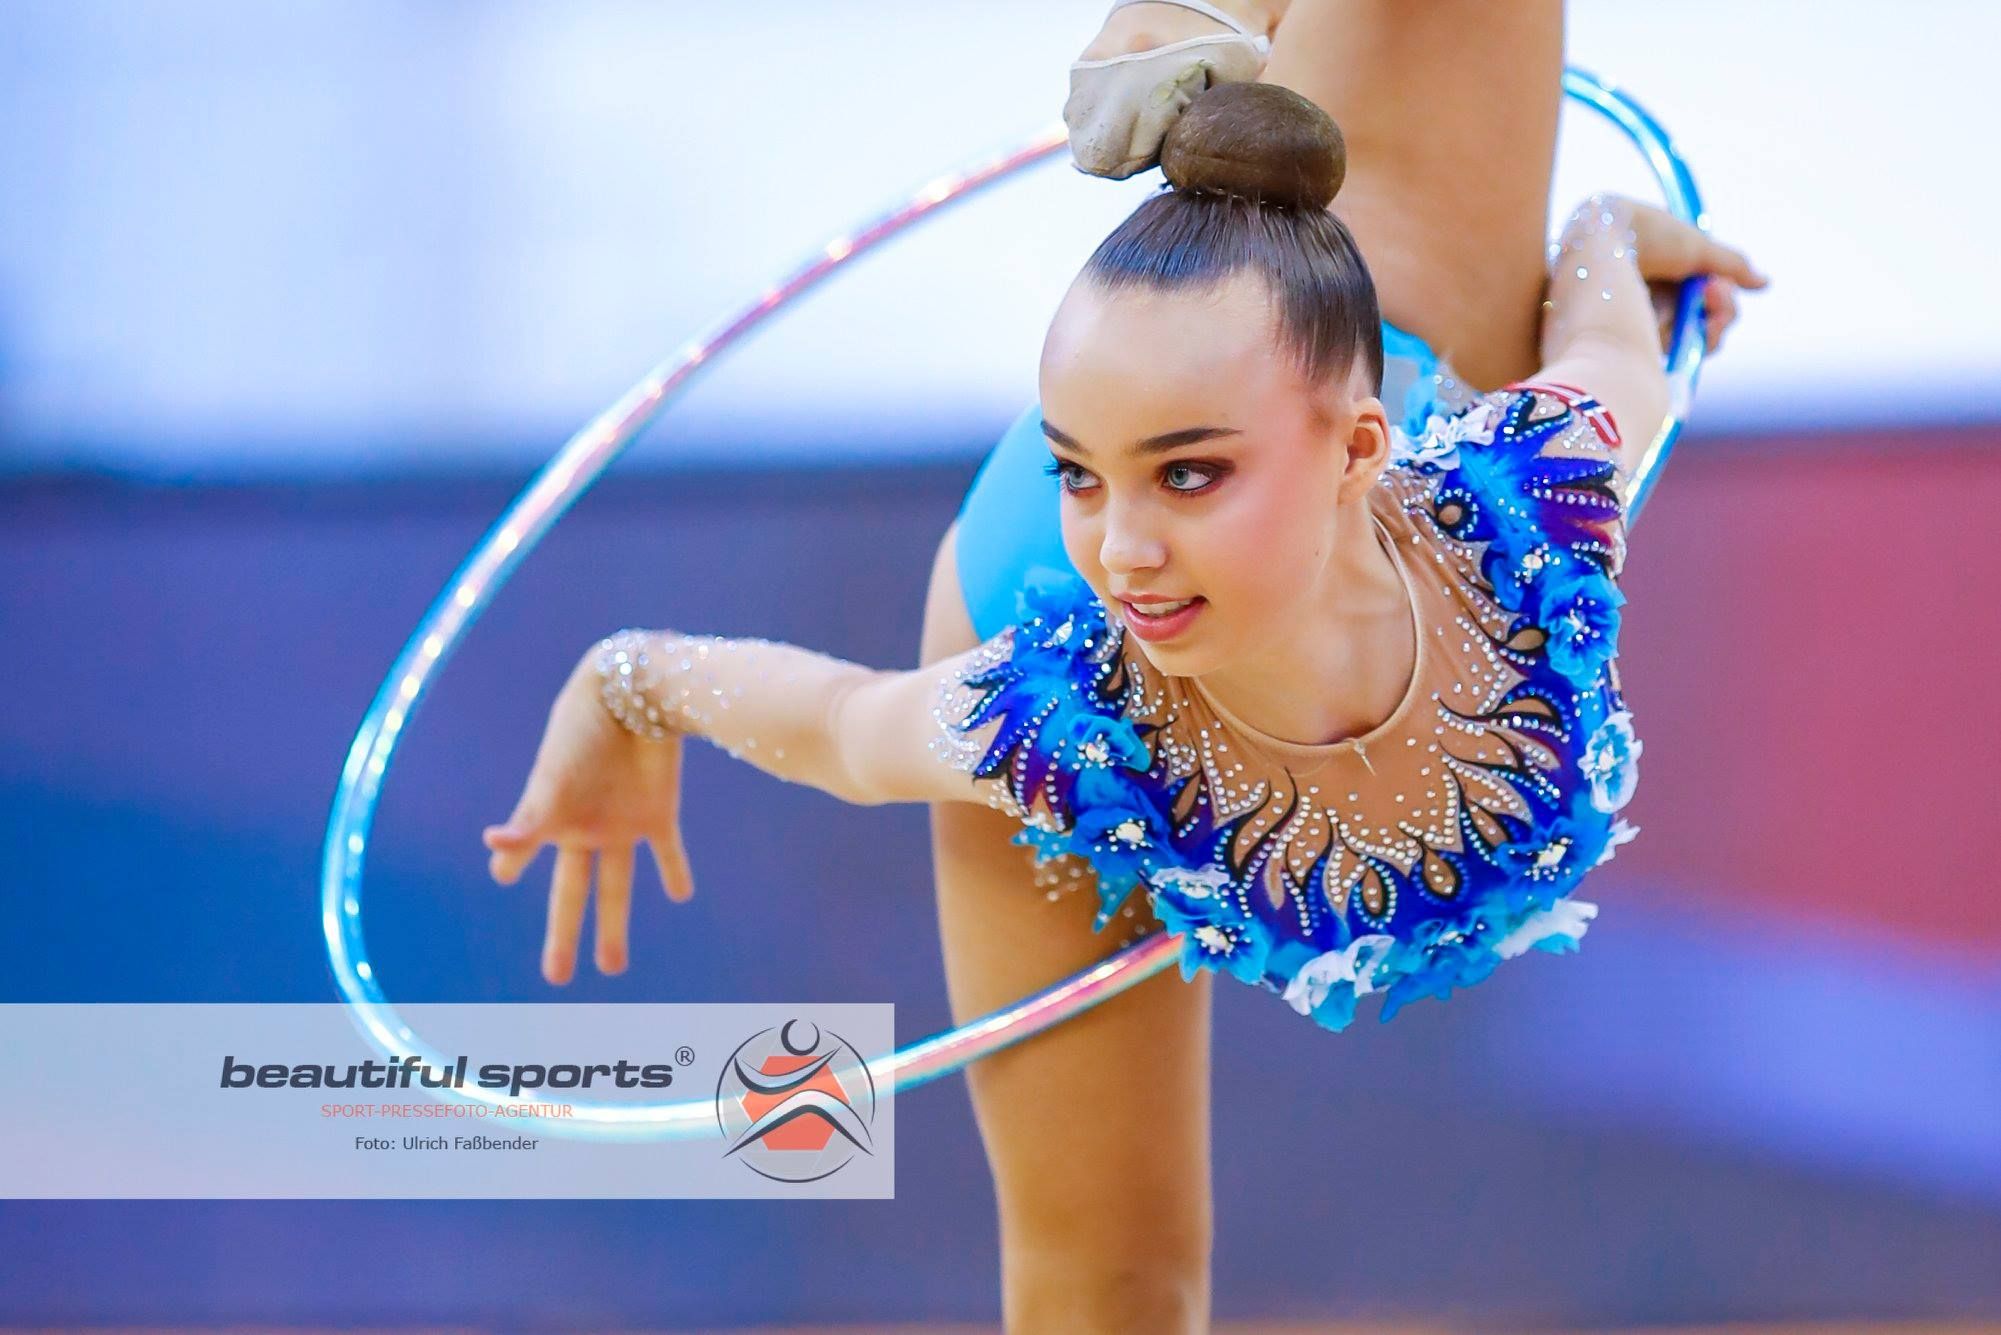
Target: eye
point(1061, 470)
point(1208, 477)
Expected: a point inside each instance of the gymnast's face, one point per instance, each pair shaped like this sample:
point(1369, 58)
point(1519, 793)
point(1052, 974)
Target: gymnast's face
point(1196, 463)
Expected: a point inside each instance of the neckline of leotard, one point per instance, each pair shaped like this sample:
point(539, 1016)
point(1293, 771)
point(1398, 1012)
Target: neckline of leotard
point(1412, 689)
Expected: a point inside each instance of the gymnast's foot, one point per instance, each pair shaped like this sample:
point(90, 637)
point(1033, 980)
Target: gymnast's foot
point(1144, 68)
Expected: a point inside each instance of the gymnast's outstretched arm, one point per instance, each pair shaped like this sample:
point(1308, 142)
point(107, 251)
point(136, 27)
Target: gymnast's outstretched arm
point(607, 775)
point(855, 733)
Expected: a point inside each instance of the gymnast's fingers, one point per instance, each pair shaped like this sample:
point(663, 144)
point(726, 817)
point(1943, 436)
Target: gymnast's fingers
point(670, 858)
point(1732, 264)
point(516, 841)
point(1720, 309)
point(614, 912)
point(569, 888)
point(511, 848)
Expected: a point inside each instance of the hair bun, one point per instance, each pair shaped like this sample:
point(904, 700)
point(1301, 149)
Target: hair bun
point(1258, 142)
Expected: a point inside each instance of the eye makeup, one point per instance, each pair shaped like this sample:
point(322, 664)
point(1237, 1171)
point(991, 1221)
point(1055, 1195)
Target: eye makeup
point(1214, 473)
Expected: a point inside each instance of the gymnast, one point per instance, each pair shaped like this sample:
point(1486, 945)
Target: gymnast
point(1321, 679)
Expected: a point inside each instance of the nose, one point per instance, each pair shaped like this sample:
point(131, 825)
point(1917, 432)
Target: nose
point(1131, 541)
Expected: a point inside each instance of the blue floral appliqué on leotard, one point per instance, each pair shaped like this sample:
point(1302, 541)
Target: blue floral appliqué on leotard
point(1539, 531)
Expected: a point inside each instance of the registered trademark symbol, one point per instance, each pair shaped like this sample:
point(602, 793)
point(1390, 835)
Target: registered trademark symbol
point(684, 1056)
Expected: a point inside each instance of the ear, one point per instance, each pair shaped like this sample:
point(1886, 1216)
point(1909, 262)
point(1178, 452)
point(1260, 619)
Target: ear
point(1367, 438)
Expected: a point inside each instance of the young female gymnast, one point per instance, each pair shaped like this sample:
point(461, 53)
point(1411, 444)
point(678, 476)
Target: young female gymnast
point(1389, 709)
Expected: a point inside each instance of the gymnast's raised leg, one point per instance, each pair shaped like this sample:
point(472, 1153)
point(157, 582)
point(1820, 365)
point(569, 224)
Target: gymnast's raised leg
point(1449, 110)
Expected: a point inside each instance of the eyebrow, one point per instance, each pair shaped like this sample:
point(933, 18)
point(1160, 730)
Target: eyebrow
point(1152, 444)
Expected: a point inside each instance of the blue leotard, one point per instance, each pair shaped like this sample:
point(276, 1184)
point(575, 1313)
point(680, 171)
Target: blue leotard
point(1409, 860)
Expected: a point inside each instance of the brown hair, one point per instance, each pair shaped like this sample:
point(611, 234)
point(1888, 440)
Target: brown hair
point(1253, 167)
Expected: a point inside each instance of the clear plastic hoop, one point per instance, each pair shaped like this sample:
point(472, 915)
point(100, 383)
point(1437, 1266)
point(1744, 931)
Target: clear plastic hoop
point(585, 457)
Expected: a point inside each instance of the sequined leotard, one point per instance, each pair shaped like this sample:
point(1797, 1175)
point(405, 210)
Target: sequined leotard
point(1411, 859)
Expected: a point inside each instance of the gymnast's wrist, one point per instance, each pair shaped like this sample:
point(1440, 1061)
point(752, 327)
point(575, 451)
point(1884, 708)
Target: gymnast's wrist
point(641, 680)
point(1599, 220)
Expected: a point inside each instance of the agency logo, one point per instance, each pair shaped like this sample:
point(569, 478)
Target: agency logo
point(796, 1103)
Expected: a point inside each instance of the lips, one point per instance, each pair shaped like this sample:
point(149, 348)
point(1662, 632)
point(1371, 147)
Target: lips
point(1155, 626)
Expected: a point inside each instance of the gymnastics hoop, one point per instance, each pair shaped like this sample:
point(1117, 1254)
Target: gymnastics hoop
point(588, 453)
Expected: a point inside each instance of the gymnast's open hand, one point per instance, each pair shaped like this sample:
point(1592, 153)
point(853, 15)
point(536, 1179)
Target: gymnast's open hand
point(596, 790)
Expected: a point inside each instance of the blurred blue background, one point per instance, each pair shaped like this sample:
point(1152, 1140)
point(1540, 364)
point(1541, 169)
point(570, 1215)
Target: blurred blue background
point(294, 298)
